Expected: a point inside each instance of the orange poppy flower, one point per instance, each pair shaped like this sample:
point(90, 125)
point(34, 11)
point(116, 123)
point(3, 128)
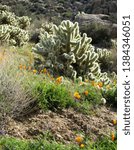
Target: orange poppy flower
point(79, 139)
point(59, 80)
point(86, 93)
point(100, 84)
point(112, 136)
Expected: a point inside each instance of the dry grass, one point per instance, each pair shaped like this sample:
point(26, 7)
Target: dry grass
point(14, 98)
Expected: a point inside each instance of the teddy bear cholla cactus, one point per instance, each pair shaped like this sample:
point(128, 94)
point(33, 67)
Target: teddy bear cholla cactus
point(103, 53)
point(13, 35)
point(13, 28)
point(67, 52)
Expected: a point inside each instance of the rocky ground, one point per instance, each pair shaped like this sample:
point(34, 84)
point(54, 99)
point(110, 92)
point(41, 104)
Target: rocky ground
point(63, 126)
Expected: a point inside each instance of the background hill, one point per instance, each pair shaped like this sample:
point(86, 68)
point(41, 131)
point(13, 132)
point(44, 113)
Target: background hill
point(53, 9)
point(44, 11)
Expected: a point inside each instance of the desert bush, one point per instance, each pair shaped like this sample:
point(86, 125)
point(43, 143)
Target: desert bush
point(105, 144)
point(54, 97)
point(94, 96)
point(13, 28)
point(15, 99)
point(90, 93)
point(68, 53)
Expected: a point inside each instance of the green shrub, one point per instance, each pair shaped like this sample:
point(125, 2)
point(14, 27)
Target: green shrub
point(105, 144)
point(8, 143)
point(94, 96)
point(53, 96)
point(16, 144)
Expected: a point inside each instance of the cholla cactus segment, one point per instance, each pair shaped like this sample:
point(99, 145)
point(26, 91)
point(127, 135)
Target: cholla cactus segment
point(13, 28)
point(48, 27)
point(64, 46)
point(4, 8)
point(103, 53)
point(13, 35)
point(23, 22)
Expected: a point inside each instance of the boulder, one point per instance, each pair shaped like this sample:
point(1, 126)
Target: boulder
point(102, 6)
point(86, 20)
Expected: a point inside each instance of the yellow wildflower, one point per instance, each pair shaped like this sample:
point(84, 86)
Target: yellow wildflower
point(79, 139)
point(24, 67)
point(44, 70)
point(114, 121)
point(86, 80)
point(34, 71)
point(82, 145)
point(81, 83)
point(77, 95)
point(94, 83)
point(108, 87)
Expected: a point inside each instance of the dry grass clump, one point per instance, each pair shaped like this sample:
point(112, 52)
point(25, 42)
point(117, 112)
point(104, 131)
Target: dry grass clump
point(14, 98)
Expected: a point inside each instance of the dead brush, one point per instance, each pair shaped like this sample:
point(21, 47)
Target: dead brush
point(15, 100)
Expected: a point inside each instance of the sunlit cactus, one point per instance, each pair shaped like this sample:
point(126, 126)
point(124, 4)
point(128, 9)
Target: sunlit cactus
point(66, 52)
point(103, 53)
point(13, 28)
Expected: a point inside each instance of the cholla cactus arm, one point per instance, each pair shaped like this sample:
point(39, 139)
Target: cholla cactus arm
point(90, 76)
point(104, 78)
point(68, 33)
point(47, 27)
point(23, 22)
point(96, 69)
point(4, 33)
point(8, 18)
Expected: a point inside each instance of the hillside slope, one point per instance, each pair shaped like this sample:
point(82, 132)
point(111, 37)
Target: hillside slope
point(61, 8)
